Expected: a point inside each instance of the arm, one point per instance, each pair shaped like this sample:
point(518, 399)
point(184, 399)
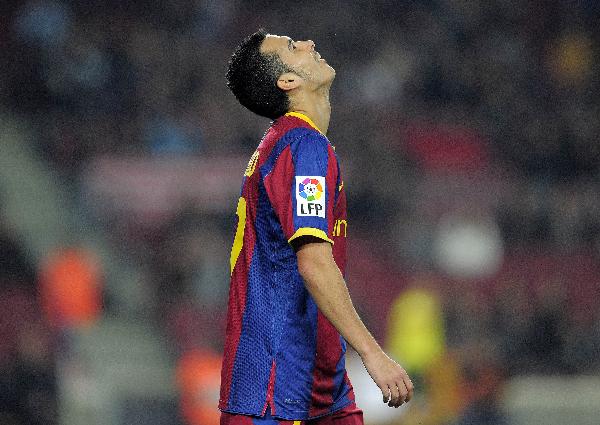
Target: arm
point(326, 285)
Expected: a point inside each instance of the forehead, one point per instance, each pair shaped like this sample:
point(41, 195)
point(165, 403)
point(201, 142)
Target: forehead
point(274, 43)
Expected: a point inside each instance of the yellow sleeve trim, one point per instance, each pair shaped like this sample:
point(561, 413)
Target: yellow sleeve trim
point(310, 231)
point(303, 118)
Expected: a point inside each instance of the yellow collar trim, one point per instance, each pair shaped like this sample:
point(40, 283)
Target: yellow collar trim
point(304, 118)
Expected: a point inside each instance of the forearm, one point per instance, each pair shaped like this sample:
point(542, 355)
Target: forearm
point(326, 285)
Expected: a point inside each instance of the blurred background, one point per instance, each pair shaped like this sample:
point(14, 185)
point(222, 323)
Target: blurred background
point(468, 137)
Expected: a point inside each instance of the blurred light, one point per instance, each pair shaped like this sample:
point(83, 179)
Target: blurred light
point(468, 248)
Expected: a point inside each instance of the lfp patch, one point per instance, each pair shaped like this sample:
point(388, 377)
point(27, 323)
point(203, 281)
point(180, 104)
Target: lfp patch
point(310, 196)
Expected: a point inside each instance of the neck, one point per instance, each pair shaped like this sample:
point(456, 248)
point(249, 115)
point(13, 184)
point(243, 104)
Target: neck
point(316, 106)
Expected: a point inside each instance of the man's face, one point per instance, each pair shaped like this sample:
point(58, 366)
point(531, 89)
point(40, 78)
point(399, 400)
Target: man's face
point(300, 56)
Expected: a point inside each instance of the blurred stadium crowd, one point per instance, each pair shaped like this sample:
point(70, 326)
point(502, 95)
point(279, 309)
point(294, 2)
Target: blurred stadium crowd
point(468, 132)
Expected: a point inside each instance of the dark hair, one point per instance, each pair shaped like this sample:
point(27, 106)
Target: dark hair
point(252, 78)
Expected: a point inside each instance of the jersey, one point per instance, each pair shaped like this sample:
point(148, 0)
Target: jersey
point(281, 353)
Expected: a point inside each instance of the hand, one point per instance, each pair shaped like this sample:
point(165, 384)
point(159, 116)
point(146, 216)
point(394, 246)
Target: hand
point(391, 378)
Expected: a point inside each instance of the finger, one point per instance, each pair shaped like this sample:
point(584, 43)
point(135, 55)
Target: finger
point(386, 394)
point(394, 402)
point(403, 392)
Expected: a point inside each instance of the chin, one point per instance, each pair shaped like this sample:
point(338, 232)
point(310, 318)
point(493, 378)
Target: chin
point(331, 71)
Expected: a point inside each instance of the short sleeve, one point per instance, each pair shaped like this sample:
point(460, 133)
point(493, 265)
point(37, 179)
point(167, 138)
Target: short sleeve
point(301, 187)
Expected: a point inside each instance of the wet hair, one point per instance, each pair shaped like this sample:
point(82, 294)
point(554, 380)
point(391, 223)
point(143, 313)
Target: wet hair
point(252, 77)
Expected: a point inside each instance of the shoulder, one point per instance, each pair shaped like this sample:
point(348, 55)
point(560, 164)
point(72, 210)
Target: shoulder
point(308, 144)
point(295, 142)
point(301, 141)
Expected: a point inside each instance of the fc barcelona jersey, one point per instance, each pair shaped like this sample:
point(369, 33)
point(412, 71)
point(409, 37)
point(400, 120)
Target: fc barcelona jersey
point(281, 353)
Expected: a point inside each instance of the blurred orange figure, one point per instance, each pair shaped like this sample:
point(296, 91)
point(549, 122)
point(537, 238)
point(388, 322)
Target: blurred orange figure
point(199, 380)
point(70, 288)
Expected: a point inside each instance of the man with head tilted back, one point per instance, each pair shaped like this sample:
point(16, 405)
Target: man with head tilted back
point(290, 315)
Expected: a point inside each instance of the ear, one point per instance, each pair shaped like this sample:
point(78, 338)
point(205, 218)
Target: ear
point(288, 81)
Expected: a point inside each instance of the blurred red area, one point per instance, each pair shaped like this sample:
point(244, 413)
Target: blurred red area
point(71, 288)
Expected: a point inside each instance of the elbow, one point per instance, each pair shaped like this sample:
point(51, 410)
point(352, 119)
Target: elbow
point(312, 277)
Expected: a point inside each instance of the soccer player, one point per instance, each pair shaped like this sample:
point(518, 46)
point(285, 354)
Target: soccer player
point(289, 313)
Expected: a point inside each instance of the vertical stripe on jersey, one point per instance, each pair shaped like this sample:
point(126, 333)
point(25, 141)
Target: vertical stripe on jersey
point(236, 311)
point(331, 181)
point(270, 390)
point(297, 354)
point(254, 355)
point(327, 357)
point(281, 255)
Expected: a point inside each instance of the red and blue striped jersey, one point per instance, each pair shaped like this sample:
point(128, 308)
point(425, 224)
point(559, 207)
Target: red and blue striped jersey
point(281, 353)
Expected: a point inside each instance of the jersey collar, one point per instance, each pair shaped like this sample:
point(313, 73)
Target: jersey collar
point(303, 118)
